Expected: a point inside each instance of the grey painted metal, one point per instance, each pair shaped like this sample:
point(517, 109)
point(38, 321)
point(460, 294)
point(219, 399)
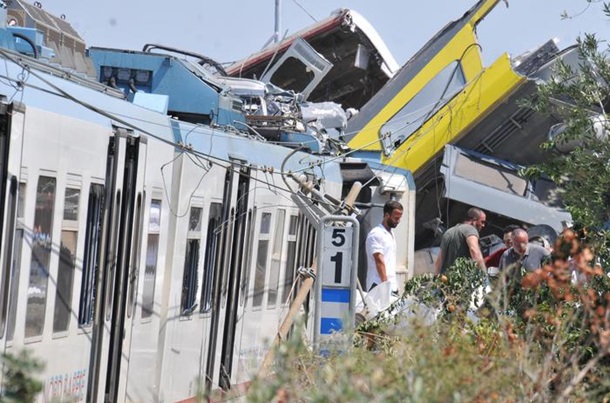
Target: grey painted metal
point(526, 208)
point(310, 210)
point(353, 275)
point(314, 62)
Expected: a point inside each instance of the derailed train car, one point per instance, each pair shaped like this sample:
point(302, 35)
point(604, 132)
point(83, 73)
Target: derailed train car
point(444, 95)
point(150, 239)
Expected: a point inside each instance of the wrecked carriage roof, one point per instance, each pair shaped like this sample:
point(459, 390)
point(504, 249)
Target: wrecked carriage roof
point(362, 63)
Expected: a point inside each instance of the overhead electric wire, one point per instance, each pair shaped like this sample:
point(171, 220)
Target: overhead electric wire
point(304, 10)
point(111, 115)
point(115, 117)
point(319, 163)
point(418, 135)
point(173, 144)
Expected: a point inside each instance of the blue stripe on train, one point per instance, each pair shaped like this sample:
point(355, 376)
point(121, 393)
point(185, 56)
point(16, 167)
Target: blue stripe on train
point(336, 295)
point(330, 325)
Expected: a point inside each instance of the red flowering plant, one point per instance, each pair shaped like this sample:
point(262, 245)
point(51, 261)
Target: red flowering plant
point(561, 311)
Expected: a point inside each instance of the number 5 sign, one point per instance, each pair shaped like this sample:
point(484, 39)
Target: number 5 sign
point(337, 273)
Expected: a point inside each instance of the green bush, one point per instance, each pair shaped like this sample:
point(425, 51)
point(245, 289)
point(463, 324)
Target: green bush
point(540, 338)
point(20, 384)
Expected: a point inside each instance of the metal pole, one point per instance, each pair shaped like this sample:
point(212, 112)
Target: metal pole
point(278, 22)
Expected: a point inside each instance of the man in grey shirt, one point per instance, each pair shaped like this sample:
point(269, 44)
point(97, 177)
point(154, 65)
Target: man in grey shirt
point(462, 240)
point(523, 253)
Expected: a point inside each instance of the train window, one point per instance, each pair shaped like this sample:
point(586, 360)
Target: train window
point(309, 250)
point(189, 278)
point(290, 257)
point(276, 258)
point(16, 264)
point(111, 257)
point(226, 230)
point(212, 250)
point(41, 256)
point(6, 264)
point(261, 260)
point(311, 244)
point(301, 231)
point(67, 261)
point(195, 220)
point(245, 274)
point(93, 231)
point(134, 266)
point(292, 225)
point(241, 236)
point(21, 203)
point(71, 206)
point(293, 74)
point(152, 252)
point(230, 249)
point(265, 223)
point(432, 97)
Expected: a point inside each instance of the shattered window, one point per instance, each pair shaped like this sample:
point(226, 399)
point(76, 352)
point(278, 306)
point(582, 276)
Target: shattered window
point(435, 94)
point(293, 75)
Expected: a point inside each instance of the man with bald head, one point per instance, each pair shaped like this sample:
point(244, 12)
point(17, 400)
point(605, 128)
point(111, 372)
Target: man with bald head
point(522, 253)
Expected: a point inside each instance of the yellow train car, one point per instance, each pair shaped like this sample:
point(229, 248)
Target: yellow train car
point(440, 95)
point(444, 95)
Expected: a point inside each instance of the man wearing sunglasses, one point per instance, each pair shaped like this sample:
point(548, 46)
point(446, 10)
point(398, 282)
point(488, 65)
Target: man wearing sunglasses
point(462, 240)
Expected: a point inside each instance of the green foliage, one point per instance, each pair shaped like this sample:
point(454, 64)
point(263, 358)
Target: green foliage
point(547, 339)
point(579, 98)
point(454, 290)
point(20, 384)
point(429, 363)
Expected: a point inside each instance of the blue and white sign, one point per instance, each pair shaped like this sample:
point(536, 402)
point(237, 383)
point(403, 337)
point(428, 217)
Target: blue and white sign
point(336, 285)
point(335, 308)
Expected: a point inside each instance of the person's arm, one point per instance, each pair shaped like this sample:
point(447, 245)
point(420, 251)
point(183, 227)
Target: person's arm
point(439, 262)
point(475, 251)
point(380, 265)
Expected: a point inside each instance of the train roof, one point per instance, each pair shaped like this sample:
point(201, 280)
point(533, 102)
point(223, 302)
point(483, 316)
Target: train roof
point(362, 62)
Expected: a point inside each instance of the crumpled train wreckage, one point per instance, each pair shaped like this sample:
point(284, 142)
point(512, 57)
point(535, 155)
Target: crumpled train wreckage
point(334, 88)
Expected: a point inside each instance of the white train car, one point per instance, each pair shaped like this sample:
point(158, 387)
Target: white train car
point(146, 258)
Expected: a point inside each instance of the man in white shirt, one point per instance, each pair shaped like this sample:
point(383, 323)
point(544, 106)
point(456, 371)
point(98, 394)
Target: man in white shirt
point(381, 248)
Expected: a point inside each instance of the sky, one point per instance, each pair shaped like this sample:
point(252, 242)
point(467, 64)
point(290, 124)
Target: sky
point(230, 30)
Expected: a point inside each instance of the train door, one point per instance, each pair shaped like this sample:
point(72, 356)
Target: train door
point(119, 256)
point(226, 276)
point(236, 267)
point(11, 135)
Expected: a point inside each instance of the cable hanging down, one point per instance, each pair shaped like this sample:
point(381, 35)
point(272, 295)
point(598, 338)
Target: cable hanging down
point(197, 129)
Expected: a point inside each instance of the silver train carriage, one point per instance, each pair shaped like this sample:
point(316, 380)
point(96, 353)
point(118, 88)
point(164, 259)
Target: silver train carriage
point(147, 258)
